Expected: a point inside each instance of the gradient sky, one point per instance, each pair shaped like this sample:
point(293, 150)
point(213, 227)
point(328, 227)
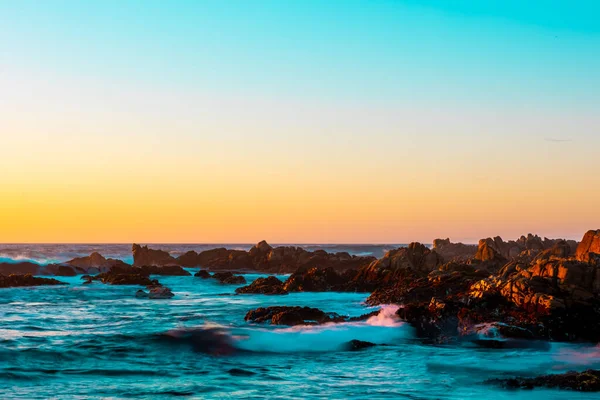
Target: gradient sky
point(307, 121)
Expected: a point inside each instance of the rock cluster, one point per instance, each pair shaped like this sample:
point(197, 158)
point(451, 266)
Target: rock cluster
point(26, 280)
point(586, 381)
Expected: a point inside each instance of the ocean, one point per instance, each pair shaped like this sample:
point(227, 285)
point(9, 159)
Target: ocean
point(99, 341)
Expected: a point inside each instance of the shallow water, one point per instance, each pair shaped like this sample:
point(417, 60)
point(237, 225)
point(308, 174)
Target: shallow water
point(98, 341)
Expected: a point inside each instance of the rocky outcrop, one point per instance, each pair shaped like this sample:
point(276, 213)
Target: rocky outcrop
point(94, 263)
point(142, 255)
point(59, 270)
point(589, 248)
point(396, 265)
point(526, 246)
point(319, 280)
point(454, 251)
point(265, 258)
point(7, 281)
point(269, 285)
point(283, 315)
point(229, 278)
point(20, 268)
point(586, 381)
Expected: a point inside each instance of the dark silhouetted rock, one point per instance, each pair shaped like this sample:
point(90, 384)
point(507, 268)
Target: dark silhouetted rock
point(204, 274)
point(20, 268)
point(26, 280)
point(356, 345)
point(284, 315)
point(229, 278)
point(94, 263)
point(269, 285)
point(156, 292)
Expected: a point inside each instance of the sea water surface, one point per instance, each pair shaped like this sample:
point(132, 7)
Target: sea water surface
point(99, 341)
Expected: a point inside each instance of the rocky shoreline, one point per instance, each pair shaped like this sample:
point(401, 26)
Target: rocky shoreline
point(526, 289)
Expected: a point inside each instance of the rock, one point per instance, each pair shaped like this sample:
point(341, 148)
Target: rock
point(229, 278)
point(142, 255)
point(317, 280)
point(204, 274)
point(155, 293)
point(20, 268)
point(59, 270)
point(26, 280)
point(270, 285)
point(356, 345)
point(264, 258)
point(94, 263)
point(487, 253)
point(586, 381)
point(284, 315)
point(589, 248)
point(454, 251)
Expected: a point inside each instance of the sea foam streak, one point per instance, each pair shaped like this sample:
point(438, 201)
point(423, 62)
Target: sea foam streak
point(384, 328)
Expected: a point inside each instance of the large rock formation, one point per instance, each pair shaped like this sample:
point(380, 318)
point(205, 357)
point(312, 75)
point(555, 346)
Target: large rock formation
point(142, 255)
point(265, 258)
point(589, 248)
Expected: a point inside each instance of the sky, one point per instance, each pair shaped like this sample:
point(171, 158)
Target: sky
point(298, 122)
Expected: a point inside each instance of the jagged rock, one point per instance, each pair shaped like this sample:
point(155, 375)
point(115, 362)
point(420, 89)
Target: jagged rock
point(264, 258)
point(318, 280)
point(269, 285)
point(454, 251)
point(586, 381)
point(143, 256)
point(589, 248)
point(26, 280)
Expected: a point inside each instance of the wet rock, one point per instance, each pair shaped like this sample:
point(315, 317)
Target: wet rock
point(156, 292)
point(229, 278)
point(7, 281)
point(356, 345)
point(317, 280)
point(586, 381)
point(285, 315)
point(94, 263)
point(204, 274)
point(270, 285)
point(142, 255)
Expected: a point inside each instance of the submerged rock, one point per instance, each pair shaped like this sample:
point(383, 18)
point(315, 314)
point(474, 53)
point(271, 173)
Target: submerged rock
point(156, 292)
point(356, 345)
point(586, 381)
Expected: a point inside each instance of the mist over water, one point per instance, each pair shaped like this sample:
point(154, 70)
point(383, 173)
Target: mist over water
point(99, 341)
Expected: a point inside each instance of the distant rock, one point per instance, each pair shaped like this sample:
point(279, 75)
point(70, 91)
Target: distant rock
point(94, 263)
point(454, 251)
point(20, 268)
point(143, 256)
point(26, 280)
point(269, 285)
point(586, 381)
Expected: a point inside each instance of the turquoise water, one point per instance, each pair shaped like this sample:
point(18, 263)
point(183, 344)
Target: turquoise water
point(99, 341)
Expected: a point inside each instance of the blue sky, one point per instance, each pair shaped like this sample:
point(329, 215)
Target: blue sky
point(329, 98)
